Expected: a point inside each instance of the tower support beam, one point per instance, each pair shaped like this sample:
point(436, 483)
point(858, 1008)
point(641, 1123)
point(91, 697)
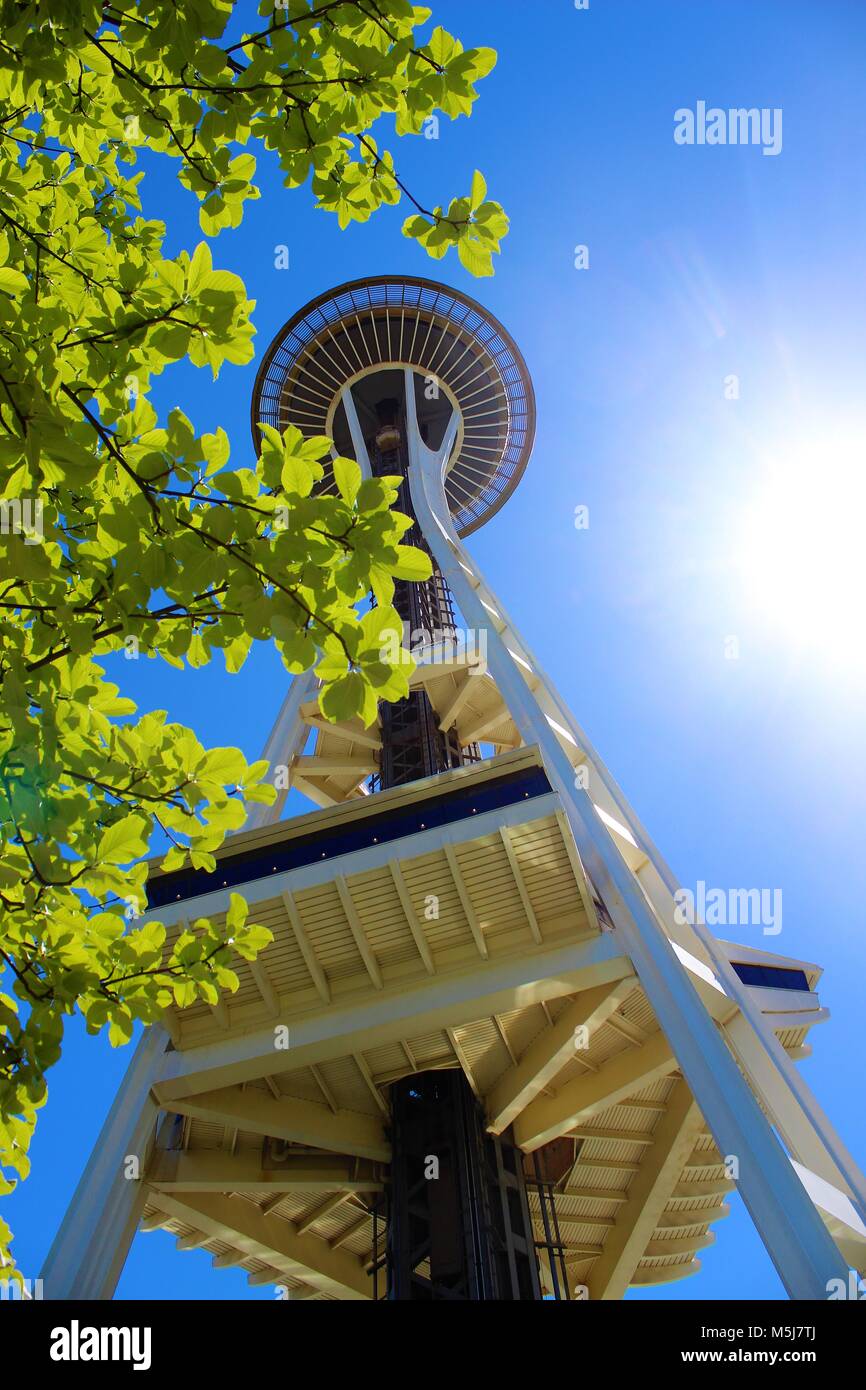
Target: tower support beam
point(90, 1248)
point(550, 1117)
point(173, 1170)
point(273, 1240)
point(549, 1052)
point(433, 1002)
point(285, 742)
point(297, 1121)
point(787, 1220)
point(648, 1196)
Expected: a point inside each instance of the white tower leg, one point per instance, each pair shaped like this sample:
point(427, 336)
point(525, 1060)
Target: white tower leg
point(790, 1103)
point(285, 742)
point(91, 1246)
point(788, 1222)
point(289, 733)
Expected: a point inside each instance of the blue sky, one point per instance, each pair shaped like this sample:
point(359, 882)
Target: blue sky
point(704, 263)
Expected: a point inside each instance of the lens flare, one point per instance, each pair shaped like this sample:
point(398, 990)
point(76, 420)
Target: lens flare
point(802, 549)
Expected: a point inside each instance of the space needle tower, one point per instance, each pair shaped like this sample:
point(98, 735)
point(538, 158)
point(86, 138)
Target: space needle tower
point(486, 1056)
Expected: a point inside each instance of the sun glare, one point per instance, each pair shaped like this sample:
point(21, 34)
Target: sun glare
point(803, 549)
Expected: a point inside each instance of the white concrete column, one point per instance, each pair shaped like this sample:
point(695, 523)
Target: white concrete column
point(285, 742)
point(289, 733)
point(788, 1222)
point(817, 1170)
point(774, 1075)
point(362, 458)
point(91, 1246)
point(660, 886)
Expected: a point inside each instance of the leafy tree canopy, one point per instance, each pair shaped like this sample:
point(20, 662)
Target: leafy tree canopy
point(124, 533)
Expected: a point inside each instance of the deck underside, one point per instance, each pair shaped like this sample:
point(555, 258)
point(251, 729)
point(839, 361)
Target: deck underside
point(474, 942)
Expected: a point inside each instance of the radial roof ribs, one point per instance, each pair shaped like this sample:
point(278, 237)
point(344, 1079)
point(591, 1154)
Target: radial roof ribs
point(368, 326)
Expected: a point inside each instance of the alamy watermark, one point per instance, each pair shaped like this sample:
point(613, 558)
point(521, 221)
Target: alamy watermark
point(77, 1343)
point(20, 1290)
point(739, 125)
point(730, 907)
point(854, 1290)
point(22, 516)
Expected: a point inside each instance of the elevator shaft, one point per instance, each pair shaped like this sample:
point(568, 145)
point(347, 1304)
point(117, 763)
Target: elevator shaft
point(413, 745)
point(458, 1219)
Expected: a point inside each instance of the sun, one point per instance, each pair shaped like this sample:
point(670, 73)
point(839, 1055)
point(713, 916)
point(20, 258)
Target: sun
point(802, 547)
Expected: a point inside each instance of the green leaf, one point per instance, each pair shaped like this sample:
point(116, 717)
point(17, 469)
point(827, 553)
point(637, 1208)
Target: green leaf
point(348, 478)
point(124, 841)
point(224, 765)
point(13, 281)
point(474, 257)
point(146, 544)
point(237, 913)
point(412, 563)
point(343, 698)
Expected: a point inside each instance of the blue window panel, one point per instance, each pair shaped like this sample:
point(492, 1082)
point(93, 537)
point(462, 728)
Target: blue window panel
point(455, 805)
point(770, 976)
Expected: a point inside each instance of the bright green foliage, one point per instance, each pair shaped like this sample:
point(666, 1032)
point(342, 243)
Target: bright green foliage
point(122, 534)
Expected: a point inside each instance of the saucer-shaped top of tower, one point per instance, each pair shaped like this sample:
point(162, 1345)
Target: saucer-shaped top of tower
point(362, 335)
